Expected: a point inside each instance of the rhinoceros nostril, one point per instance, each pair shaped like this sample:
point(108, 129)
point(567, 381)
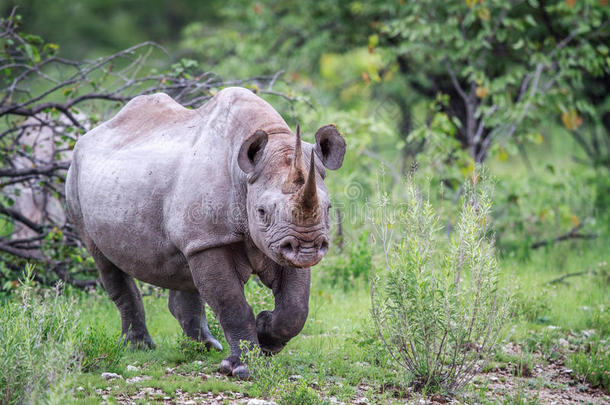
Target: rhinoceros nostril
point(289, 246)
point(323, 247)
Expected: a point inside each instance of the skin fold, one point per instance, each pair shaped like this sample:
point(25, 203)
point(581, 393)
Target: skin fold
point(197, 201)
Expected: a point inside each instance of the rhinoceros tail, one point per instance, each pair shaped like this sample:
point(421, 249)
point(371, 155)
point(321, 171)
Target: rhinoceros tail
point(73, 208)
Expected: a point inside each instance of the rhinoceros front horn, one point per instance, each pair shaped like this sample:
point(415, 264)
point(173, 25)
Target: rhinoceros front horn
point(308, 194)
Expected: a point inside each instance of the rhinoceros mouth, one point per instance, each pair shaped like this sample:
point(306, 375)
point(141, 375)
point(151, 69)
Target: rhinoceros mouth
point(299, 253)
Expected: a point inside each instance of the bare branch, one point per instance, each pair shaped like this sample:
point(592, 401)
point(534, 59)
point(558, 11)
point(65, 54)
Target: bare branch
point(456, 83)
point(572, 234)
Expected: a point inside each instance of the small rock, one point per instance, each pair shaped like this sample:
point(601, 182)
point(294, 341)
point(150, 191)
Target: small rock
point(110, 376)
point(191, 402)
point(80, 389)
point(568, 371)
point(295, 377)
point(132, 368)
point(361, 401)
point(563, 343)
point(493, 378)
point(136, 379)
point(255, 401)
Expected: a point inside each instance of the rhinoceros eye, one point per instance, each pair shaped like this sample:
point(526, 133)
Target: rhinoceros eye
point(261, 212)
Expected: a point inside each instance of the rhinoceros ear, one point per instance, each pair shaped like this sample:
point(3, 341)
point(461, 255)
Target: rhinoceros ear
point(330, 146)
point(251, 151)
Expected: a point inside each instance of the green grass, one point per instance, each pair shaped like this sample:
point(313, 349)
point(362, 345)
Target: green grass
point(338, 354)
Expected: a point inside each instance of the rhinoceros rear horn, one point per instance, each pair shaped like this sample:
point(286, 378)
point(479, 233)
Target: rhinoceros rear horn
point(295, 178)
point(308, 194)
point(251, 151)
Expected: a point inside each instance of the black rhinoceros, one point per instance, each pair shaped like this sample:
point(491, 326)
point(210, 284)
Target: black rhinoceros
point(197, 201)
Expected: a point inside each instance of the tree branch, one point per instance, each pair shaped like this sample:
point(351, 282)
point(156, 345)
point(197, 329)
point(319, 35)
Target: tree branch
point(572, 234)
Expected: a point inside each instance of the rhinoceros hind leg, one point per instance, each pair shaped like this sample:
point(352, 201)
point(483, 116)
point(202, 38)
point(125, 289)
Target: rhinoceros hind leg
point(189, 309)
point(123, 291)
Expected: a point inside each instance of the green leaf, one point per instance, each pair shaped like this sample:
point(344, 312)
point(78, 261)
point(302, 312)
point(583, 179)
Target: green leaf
point(32, 53)
point(518, 44)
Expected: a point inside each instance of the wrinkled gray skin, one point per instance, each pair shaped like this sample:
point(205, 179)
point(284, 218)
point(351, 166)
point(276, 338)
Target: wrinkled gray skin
point(197, 201)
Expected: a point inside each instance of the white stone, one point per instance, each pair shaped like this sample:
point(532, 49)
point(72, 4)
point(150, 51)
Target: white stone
point(132, 368)
point(255, 401)
point(110, 376)
point(136, 379)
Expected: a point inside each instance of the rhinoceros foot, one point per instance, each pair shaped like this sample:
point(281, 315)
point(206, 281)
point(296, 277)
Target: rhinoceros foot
point(139, 342)
point(269, 344)
point(234, 367)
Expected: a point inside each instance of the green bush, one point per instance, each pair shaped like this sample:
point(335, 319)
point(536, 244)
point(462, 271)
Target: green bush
point(266, 372)
point(343, 269)
point(37, 344)
point(100, 349)
point(191, 349)
point(299, 394)
point(437, 305)
point(593, 364)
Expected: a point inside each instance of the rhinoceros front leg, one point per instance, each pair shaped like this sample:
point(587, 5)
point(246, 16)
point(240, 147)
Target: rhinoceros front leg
point(189, 309)
point(218, 281)
point(290, 287)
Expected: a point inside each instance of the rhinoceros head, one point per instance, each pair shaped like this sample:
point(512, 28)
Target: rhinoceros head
point(287, 201)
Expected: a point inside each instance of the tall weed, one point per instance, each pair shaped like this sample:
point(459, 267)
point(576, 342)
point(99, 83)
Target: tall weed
point(38, 343)
point(436, 303)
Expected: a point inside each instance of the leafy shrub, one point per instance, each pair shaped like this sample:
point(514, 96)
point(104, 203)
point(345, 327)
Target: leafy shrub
point(299, 394)
point(266, 372)
point(437, 306)
point(356, 263)
point(191, 349)
point(37, 344)
point(593, 364)
point(100, 349)
point(541, 208)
